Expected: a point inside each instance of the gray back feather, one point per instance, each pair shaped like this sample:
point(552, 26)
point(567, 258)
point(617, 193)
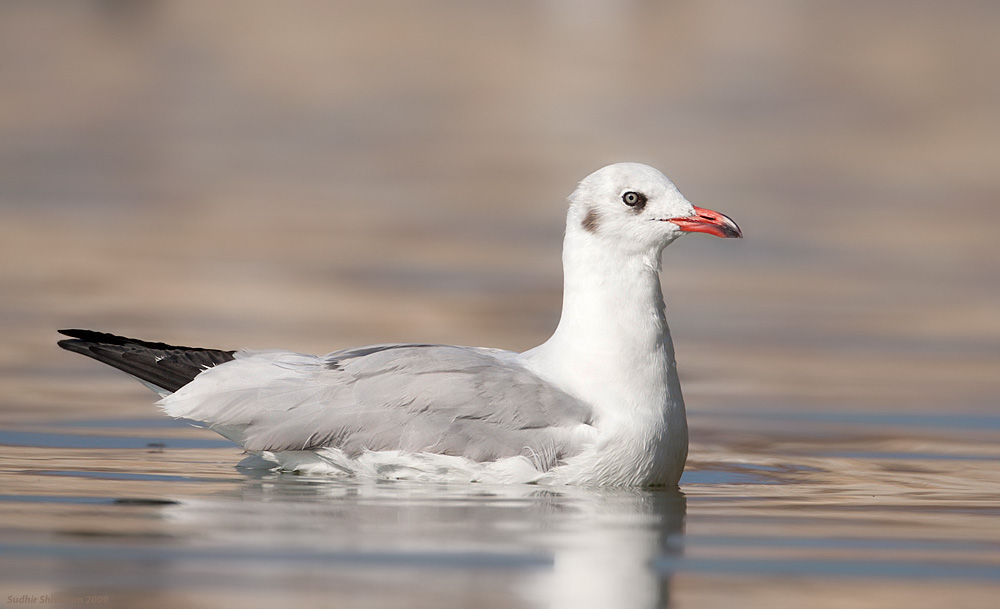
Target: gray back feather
point(476, 403)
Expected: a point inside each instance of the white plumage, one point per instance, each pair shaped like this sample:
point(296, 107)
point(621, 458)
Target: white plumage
point(598, 403)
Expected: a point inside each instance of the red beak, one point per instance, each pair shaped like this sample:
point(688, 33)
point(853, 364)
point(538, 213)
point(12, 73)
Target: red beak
point(708, 221)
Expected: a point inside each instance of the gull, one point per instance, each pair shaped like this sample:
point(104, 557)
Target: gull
point(598, 403)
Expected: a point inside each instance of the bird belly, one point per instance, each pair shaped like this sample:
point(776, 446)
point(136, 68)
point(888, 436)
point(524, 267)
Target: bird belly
point(398, 465)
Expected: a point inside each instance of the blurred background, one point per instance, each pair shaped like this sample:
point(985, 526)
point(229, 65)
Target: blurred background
point(317, 175)
point(320, 175)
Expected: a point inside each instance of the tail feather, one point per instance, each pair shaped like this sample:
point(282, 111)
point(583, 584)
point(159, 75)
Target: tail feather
point(168, 367)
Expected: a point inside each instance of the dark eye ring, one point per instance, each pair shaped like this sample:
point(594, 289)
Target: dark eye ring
point(634, 199)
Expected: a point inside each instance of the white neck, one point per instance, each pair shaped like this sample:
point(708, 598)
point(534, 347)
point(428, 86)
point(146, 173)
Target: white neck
point(612, 305)
point(612, 349)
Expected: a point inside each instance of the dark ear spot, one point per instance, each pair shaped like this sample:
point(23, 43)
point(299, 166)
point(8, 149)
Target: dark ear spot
point(591, 221)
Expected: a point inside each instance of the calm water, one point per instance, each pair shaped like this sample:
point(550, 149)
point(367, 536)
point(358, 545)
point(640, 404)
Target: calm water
point(149, 512)
point(245, 175)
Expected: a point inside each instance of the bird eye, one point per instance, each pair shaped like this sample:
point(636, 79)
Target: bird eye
point(634, 199)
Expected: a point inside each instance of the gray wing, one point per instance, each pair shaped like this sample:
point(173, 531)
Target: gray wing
point(476, 403)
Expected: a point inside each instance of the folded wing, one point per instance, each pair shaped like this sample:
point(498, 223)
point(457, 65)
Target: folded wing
point(476, 403)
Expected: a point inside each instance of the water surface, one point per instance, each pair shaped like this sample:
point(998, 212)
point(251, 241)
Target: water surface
point(155, 514)
point(247, 174)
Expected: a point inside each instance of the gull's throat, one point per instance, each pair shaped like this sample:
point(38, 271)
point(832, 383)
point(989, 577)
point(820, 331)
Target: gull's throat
point(612, 328)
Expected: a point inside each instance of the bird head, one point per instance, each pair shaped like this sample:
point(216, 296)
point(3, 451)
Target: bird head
point(635, 208)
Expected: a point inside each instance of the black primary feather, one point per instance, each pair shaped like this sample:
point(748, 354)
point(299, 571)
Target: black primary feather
point(169, 367)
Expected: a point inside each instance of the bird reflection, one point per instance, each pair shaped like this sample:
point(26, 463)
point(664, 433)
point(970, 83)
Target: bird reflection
point(547, 547)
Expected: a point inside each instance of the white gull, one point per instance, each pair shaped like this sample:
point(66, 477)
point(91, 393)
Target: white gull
point(598, 403)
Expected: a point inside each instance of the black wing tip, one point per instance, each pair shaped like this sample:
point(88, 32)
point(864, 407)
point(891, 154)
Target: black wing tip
point(169, 367)
point(76, 333)
point(94, 337)
point(74, 344)
point(81, 341)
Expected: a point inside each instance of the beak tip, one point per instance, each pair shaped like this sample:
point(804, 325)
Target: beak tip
point(730, 229)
